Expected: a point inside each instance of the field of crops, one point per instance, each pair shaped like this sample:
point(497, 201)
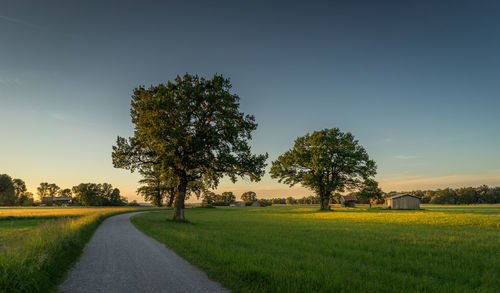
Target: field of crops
point(298, 249)
point(38, 245)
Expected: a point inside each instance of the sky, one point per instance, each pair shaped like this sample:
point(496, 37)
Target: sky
point(416, 82)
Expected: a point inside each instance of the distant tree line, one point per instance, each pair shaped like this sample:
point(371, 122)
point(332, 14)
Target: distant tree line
point(465, 195)
point(313, 199)
point(13, 192)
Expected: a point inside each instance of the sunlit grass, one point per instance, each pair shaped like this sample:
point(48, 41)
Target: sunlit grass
point(486, 216)
point(38, 245)
point(299, 249)
point(52, 212)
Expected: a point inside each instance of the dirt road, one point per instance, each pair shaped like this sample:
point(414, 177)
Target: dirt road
point(120, 258)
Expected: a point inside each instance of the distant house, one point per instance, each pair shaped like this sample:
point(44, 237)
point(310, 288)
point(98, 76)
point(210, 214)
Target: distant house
point(57, 200)
point(257, 204)
point(403, 202)
point(348, 201)
point(237, 204)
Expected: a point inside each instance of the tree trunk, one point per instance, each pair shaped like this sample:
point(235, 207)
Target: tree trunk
point(325, 203)
point(179, 198)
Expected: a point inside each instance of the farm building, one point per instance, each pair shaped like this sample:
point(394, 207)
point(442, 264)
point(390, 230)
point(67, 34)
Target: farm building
point(403, 202)
point(237, 204)
point(257, 204)
point(56, 200)
point(348, 201)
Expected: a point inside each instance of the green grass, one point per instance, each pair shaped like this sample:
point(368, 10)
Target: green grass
point(298, 249)
point(39, 245)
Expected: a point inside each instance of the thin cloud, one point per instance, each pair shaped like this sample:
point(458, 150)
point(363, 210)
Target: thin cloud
point(8, 81)
point(69, 119)
point(34, 26)
point(18, 21)
point(453, 181)
point(404, 157)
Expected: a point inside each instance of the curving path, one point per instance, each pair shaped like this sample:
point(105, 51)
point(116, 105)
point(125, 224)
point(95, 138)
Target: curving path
point(120, 258)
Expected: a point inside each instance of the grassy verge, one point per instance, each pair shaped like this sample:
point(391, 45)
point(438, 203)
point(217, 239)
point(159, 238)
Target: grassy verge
point(39, 246)
point(297, 249)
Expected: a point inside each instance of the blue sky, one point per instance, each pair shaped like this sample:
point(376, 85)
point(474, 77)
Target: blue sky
point(416, 83)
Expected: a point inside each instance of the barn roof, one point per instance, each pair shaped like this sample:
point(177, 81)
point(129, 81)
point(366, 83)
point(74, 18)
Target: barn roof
point(403, 194)
point(349, 197)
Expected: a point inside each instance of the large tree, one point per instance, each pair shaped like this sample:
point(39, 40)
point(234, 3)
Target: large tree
point(193, 129)
point(326, 161)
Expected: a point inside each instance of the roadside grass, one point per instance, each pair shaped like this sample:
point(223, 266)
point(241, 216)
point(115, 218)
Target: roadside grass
point(299, 249)
point(39, 245)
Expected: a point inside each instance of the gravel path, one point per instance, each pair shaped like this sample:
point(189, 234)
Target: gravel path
point(120, 258)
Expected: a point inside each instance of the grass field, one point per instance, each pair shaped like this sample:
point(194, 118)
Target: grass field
point(298, 249)
point(38, 245)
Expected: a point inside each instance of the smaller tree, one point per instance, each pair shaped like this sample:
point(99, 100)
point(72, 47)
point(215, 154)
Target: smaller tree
point(226, 198)
point(87, 194)
point(370, 192)
point(43, 190)
point(26, 199)
point(53, 189)
point(47, 190)
point(325, 161)
point(115, 199)
point(290, 200)
point(209, 198)
point(249, 197)
point(19, 187)
point(156, 186)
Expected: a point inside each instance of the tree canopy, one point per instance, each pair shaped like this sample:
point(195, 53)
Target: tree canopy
point(193, 129)
point(325, 161)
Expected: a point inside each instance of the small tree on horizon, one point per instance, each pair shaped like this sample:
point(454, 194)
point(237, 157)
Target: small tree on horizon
point(326, 161)
point(249, 197)
point(370, 191)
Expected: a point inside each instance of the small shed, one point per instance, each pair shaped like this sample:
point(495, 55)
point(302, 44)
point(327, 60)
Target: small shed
point(237, 204)
point(257, 204)
point(403, 202)
point(348, 201)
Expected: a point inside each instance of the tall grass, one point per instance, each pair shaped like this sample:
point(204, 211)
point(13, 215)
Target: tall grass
point(296, 249)
point(37, 259)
